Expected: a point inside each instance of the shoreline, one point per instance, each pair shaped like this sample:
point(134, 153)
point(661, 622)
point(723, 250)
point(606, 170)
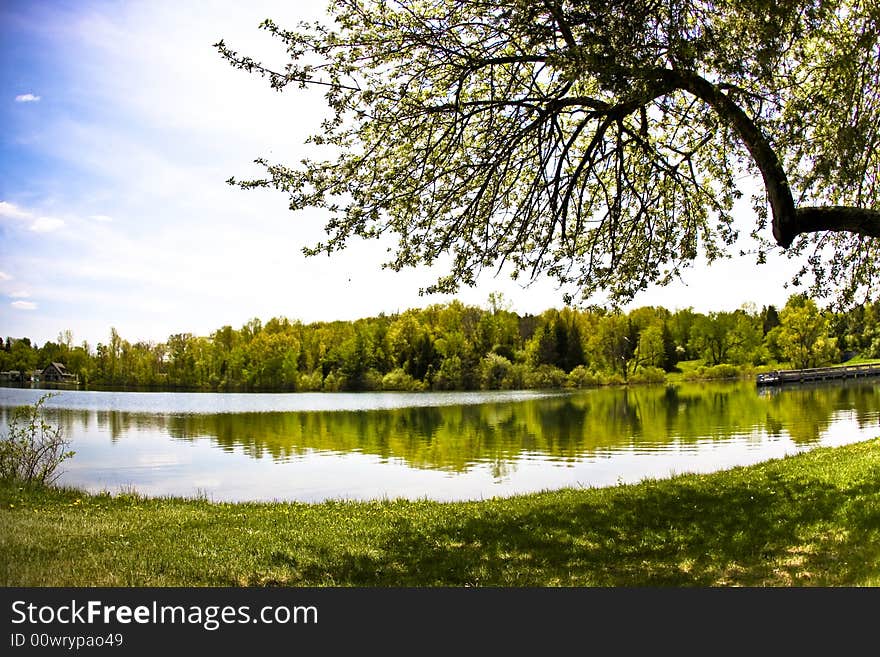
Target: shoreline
point(805, 519)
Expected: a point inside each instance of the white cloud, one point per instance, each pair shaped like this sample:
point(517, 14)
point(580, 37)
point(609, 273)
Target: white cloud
point(20, 294)
point(46, 224)
point(39, 225)
point(4, 276)
point(101, 217)
point(24, 305)
point(27, 98)
point(13, 211)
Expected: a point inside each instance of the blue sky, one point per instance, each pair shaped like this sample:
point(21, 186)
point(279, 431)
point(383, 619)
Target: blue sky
point(121, 124)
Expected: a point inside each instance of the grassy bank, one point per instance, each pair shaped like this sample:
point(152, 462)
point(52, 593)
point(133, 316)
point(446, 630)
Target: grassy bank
point(810, 519)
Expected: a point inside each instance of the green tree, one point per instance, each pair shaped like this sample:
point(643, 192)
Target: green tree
point(412, 345)
point(803, 334)
point(80, 362)
point(650, 350)
point(275, 354)
point(494, 370)
point(498, 329)
point(870, 339)
point(22, 356)
point(51, 352)
point(615, 342)
point(727, 337)
point(769, 319)
point(680, 326)
point(182, 360)
point(600, 141)
point(557, 341)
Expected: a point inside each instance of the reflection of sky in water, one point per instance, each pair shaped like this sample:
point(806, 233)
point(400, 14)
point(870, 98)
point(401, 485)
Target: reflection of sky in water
point(190, 454)
point(234, 402)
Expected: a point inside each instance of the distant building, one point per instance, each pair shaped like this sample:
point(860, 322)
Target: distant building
point(13, 376)
point(57, 373)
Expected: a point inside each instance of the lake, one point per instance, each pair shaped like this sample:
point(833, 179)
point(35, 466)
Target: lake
point(442, 446)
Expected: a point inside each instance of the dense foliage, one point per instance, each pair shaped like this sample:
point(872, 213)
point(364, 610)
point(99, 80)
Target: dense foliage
point(453, 346)
point(603, 142)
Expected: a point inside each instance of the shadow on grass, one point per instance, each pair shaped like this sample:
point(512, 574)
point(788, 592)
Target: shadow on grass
point(813, 520)
point(670, 534)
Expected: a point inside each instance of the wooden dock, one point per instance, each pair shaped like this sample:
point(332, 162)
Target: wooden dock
point(780, 377)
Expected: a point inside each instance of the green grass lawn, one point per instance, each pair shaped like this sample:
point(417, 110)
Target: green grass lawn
point(699, 370)
point(810, 519)
point(690, 369)
point(860, 360)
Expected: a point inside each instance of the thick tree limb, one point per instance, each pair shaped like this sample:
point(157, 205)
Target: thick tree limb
point(788, 221)
point(775, 180)
point(861, 221)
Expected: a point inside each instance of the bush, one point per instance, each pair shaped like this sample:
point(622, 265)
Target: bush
point(545, 376)
point(648, 375)
point(610, 379)
point(371, 380)
point(451, 374)
point(32, 449)
point(310, 382)
point(722, 371)
point(515, 377)
point(581, 377)
point(398, 379)
point(493, 370)
point(333, 382)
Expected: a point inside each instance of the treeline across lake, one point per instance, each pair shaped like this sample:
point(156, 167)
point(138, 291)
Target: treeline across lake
point(458, 347)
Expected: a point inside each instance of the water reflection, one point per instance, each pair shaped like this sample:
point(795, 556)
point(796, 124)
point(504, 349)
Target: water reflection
point(496, 439)
point(454, 437)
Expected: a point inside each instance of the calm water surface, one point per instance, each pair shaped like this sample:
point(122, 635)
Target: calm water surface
point(444, 446)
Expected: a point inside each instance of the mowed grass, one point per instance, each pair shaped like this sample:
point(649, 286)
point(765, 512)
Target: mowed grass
point(859, 360)
point(809, 519)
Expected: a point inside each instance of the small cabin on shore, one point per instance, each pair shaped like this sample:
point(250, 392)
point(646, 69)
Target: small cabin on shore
point(12, 376)
point(57, 373)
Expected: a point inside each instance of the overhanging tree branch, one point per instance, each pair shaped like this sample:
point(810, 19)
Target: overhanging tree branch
point(788, 221)
point(599, 141)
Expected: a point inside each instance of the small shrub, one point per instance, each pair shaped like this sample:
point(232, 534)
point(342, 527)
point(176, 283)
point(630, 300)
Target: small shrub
point(724, 371)
point(648, 375)
point(310, 382)
point(696, 374)
point(545, 376)
point(333, 382)
point(399, 379)
point(581, 377)
point(371, 380)
point(451, 374)
point(493, 370)
point(515, 377)
point(32, 449)
point(611, 379)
